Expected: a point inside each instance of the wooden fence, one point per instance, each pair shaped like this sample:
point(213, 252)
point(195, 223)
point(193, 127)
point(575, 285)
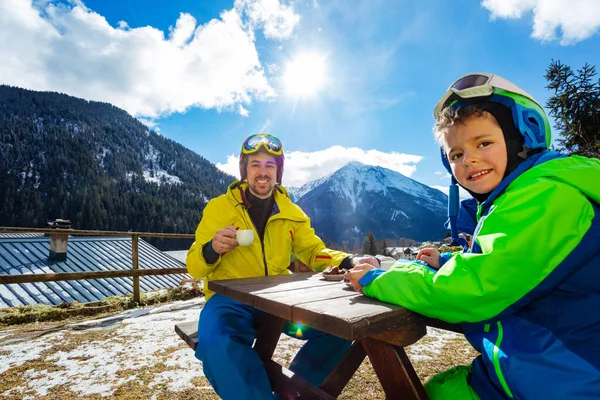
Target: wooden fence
point(135, 272)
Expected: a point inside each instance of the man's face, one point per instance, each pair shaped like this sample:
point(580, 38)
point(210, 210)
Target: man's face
point(261, 173)
point(476, 151)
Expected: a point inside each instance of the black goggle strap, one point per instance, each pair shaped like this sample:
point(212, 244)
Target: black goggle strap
point(453, 211)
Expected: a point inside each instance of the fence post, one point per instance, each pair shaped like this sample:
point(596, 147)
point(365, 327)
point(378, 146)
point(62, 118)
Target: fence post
point(135, 264)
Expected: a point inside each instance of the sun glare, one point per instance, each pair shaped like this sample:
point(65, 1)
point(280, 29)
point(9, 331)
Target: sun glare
point(304, 75)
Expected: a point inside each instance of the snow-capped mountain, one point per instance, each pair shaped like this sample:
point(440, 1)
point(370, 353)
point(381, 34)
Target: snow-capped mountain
point(297, 192)
point(358, 198)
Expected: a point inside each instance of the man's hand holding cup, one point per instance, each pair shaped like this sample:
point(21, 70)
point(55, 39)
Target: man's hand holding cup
point(225, 240)
point(229, 238)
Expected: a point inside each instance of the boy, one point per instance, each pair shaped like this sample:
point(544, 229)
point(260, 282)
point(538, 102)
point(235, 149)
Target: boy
point(527, 293)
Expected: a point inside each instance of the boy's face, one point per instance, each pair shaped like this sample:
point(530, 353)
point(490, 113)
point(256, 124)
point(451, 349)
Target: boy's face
point(261, 174)
point(476, 151)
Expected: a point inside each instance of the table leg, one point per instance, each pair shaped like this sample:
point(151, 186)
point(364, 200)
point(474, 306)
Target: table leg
point(394, 370)
point(283, 381)
point(337, 379)
point(267, 335)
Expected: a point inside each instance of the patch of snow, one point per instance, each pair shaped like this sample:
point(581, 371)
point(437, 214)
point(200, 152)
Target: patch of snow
point(397, 213)
point(172, 378)
point(101, 156)
point(47, 382)
point(152, 171)
point(22, 352)
point(158, 175)
point(423, 350)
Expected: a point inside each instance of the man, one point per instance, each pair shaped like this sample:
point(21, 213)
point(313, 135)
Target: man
point(226, 329)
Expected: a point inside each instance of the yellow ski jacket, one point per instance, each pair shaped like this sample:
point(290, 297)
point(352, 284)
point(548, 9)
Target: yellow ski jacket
point(288, 229)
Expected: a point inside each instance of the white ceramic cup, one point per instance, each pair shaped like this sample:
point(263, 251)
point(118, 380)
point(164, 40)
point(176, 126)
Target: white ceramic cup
point(245, 237)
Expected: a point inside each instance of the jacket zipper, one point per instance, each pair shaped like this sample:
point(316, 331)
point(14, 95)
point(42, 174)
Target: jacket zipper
point(262, 245)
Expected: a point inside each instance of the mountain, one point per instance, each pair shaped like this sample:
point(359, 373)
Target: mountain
point(93, 163)
point(358, 198)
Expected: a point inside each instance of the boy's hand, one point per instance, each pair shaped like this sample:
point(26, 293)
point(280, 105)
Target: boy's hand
point(224, 240)
point(365, 260)
point(431, 256)
point(354, 275)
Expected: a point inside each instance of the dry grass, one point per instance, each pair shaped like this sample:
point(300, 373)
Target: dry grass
point(72, 312)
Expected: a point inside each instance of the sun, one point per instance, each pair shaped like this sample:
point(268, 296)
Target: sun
point(304, 76)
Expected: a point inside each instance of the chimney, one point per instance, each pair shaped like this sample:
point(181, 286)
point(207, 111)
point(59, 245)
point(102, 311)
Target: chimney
point(58, 241)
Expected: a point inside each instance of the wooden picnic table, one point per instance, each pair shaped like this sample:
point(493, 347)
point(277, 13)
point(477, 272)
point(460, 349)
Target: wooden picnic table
point(379, 330)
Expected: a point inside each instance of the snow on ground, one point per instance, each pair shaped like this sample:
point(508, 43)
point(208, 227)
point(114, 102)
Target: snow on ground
point(100, 356)
point(432, 345)
point(91, 367)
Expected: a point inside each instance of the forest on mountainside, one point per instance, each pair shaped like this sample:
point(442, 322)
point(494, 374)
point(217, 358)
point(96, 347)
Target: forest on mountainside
point(64, 157)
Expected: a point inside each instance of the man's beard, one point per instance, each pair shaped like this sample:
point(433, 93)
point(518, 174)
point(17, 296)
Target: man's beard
point(262, 189)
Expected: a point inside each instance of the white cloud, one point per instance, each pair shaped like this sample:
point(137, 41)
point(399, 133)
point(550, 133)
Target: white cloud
point(302, 167)
point(183, 31)
point(150, 123)
point(576, 20)
point(242, 111)
point(442, 174)
point(462, 193)
point(277, 20)
point(70, 48)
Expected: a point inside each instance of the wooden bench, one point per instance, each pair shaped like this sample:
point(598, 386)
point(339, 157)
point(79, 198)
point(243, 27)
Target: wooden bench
point(283, 381)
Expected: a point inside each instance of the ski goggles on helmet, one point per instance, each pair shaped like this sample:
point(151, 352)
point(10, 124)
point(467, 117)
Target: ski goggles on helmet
point(270, 143)
point(529, 117)
point(476, 86)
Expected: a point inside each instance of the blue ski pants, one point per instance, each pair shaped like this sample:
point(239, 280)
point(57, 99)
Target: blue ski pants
point(226, 332)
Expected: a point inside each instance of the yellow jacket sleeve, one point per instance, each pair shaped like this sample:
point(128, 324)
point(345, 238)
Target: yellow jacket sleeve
point(311, 250)
point(209, 225)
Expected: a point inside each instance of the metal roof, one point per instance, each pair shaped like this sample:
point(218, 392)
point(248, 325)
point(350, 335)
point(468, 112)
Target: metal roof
point(29, 255)
point(10, 235)
point(180, 255)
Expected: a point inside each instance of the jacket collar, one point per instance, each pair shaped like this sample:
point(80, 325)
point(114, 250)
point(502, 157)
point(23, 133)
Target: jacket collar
point(528, 163)
point(283, 206)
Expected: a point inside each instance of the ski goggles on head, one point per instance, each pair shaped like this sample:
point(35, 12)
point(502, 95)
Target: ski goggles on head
point(474, 86)
point(271, 144)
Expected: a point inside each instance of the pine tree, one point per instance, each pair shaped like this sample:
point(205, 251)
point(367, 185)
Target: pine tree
point(575, 106)
point(369, 244)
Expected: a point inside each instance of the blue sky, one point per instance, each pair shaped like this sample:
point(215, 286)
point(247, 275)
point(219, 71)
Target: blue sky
point(337, 81)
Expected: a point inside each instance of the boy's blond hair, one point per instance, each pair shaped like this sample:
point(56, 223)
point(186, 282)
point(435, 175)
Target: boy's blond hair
point(452, 116)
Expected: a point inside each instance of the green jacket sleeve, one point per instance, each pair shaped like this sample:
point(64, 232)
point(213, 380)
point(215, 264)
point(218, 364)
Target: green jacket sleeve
point(528, 232)
point(209, 225)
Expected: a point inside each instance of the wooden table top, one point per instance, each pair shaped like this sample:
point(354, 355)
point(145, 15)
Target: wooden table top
point(329, 306)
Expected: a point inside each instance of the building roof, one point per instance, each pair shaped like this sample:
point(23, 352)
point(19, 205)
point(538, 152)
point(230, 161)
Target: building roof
point(396, 250)
point(180, 255)
point(12, 235)
point(29, 255)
